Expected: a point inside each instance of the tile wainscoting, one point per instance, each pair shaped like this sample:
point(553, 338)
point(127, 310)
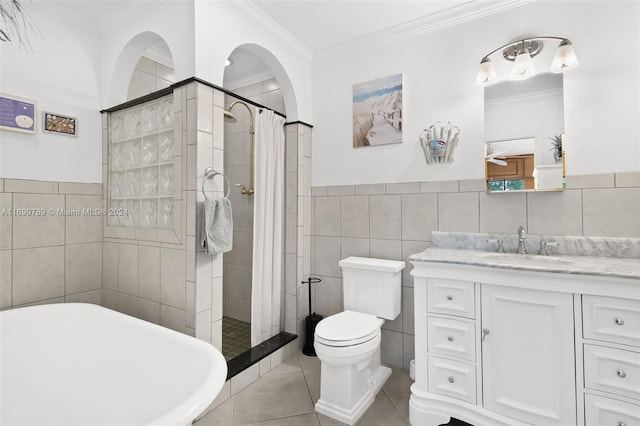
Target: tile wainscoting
point(395, 220)
point(50, 244)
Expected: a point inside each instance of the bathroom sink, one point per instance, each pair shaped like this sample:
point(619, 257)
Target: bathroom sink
point(525, 259)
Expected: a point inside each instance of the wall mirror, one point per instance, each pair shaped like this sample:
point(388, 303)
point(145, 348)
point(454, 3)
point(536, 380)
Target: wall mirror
point(524, 129)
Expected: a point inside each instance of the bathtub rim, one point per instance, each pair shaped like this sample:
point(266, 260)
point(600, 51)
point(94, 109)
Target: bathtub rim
point(189, 409)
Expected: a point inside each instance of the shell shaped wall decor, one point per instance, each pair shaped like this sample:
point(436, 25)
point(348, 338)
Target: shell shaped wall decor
point(439, 141)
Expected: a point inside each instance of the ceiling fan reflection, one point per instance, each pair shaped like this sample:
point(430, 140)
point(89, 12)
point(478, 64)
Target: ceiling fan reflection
point(496, 159)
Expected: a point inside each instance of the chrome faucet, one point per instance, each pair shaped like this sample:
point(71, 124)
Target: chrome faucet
point(522, 236)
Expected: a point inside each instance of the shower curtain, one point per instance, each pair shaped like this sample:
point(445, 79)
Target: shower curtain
point(268, 227)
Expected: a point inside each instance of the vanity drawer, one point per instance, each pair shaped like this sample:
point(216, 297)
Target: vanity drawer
point(612, 370)
point(452, 297)
point(611, 320)
point(451, 337)
point(452, 378)
point(601, 411)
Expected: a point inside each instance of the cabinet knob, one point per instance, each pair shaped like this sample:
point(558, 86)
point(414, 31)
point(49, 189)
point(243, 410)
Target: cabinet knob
point(621, 373)
point(451, 379)
point(619, 321)
point(622, 424)
point(449, 297)
point(485, 333)
point(450, 338)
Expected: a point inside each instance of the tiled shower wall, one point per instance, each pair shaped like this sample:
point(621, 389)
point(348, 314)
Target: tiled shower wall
point(205, 141)
point(298, 212)
point(53, 254)
point(145, 269)
point(238, 262)
point(149, 76)
point(393, 221)
point(157, 274)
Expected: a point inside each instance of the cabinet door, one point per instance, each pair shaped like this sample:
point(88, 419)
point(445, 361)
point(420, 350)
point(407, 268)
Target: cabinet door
point(528, 355)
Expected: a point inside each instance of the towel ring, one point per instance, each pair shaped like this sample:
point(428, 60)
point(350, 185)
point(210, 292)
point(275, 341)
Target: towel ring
point(209, 174)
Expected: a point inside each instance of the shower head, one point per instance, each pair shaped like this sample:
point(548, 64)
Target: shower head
point(229, 117)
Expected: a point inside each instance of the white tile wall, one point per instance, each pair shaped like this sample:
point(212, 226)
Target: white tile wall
point(44, 260)
point(144, 271)
point(402, 216)
point(38, 274)
point(148, 77)
point(83, 268)
point(148, 273)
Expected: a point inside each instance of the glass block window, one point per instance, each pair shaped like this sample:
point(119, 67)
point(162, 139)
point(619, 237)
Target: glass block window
point(141, 167)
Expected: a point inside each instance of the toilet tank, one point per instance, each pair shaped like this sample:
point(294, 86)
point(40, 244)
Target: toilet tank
point(372, 286)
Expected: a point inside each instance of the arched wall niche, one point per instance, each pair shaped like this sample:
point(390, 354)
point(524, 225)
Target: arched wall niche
point(279, 73)
point(126, 63)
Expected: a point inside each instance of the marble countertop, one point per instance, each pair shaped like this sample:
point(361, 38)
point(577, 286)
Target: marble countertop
point(585, 265)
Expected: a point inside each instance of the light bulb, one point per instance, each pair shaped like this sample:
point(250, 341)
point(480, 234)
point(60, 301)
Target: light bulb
point(523, 66)
point(486, 73)
point(565, 58)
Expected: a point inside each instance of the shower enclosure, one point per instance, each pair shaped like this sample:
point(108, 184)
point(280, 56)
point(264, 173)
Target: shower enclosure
point(153, 267)
point(239, 146)
point(236, 322)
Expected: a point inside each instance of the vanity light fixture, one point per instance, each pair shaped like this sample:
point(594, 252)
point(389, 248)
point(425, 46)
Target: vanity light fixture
point(520, 53)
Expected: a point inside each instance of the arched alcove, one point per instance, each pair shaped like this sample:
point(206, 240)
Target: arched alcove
point(254, 77)
point(273, 68)
point(127, 61)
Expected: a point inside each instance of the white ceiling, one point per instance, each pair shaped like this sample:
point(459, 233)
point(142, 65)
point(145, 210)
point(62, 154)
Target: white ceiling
point(320, 24)
point(97, 17)
point(316, 24)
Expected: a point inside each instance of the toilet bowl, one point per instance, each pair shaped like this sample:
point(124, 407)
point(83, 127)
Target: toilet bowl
point(348, 343)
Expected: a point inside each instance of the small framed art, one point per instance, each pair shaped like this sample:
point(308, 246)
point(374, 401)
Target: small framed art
point(61, 124)
point(377, 112)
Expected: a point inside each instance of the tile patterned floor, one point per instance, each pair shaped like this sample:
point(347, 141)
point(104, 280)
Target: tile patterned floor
point(236, 337)
point(286, 395)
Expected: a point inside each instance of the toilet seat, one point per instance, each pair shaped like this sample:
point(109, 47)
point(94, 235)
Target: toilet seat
point(348, 328)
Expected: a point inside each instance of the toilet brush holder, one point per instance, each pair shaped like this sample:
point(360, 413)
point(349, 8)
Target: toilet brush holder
point(311, 322)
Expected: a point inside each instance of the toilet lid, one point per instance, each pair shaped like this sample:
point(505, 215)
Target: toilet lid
point(348, 328)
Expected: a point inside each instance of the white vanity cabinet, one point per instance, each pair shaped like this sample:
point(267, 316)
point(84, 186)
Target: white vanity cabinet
point(511, 346)
point(528, 366)
point(611, 351)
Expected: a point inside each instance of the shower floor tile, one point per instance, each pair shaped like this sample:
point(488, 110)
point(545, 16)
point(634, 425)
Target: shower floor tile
point(236, 337)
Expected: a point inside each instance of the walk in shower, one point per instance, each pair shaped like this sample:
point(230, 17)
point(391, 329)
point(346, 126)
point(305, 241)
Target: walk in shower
point(239, 167)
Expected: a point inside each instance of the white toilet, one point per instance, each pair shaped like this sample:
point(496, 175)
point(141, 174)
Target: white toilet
point(348, 343)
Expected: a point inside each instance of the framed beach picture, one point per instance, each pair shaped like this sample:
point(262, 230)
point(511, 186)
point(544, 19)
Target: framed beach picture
point(377, 112)
point(60, 124)
point(17, 114)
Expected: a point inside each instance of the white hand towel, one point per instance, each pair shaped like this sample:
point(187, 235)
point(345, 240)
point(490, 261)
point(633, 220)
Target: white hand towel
point(217, 226)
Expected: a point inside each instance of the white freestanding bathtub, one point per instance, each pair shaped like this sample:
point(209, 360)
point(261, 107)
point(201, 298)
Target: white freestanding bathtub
point(81, 364)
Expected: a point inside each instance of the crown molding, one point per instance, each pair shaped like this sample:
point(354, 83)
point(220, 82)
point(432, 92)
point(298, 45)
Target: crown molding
point(453, 16)
point(266, 24)
point(156, 54)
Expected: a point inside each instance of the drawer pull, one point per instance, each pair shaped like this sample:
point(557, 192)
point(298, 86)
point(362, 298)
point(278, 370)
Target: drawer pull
point(621, 373)
point(485, 333)
point(451, 379)
point(449, 297)
point(619, 321)
point(450, 338)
